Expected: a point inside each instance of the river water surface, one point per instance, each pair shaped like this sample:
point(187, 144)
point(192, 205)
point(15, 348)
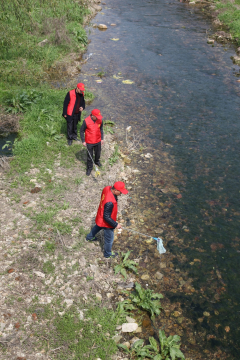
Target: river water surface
point(185, 102)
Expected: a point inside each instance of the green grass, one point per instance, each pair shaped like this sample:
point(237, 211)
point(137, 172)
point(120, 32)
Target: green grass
point(230, 16)
point(25, 23)
point(90, 339)
point(48, 267)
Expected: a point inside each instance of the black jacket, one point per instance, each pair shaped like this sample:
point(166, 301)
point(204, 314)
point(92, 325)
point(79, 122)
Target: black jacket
point(108, 208)
point(66, 102)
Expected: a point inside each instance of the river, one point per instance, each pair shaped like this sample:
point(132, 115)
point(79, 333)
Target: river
point(184, 99)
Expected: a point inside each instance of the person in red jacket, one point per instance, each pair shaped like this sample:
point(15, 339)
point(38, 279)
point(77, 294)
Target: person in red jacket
point(107, 216)
point(73, 106)
point(92, 126)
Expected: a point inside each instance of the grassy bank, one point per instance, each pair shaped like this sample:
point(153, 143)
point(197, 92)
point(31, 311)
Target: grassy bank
point(24, 24)
point(229, 15)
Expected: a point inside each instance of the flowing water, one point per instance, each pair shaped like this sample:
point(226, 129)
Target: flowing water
point(185, 102)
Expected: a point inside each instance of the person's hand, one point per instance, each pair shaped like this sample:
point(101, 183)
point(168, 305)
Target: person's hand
point(102, 142)
point(84, 144)
point(119, 226)
point(81, 109)
point(65, 116)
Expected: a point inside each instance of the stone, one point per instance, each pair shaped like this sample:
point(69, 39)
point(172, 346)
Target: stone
point(210, 41)
point(127, 344)
point(139, 329)
point(102, 26)
point(109, 295)
point(130, 320)
point(43, 43)
point(113, 24)
point(158, 275)
point(81, 315)
point(99, 297)
point(206, 313)
point(238, 51)
point(176, 313)
point(40, 274)
point(145, 277)
point(117, 338)
point(163, 265)
point(129, 327)
point(133, 340)
point(236, 60)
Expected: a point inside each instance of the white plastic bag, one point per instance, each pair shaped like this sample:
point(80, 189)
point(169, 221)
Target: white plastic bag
point(160, 246)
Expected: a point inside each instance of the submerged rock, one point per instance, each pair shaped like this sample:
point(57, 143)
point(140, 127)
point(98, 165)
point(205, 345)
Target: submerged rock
point(102, 26)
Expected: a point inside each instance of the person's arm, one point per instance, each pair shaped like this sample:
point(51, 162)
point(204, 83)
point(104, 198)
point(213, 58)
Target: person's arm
point(82, 131)
point(108, 208)
point(101, 129)
point(65, 105)
point(82, 102)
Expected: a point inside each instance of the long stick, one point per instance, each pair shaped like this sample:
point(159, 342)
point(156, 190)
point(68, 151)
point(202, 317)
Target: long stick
point(96, 168)
point(137, 232)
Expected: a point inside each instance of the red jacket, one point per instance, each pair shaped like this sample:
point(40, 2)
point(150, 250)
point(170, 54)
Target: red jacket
point(71, 103)
point(107, 196)
point(92, 132)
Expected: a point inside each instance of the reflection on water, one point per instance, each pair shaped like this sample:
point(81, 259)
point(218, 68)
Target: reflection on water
point(7, 139)
point(184, 94)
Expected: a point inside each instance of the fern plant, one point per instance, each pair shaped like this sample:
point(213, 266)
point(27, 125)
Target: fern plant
point(126, 264)
point(147, 300)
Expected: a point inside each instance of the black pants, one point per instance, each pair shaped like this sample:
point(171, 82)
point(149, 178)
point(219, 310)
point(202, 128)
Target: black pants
point(72, 126)
point(97, 151)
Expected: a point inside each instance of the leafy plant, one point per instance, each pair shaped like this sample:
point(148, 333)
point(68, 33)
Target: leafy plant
point(126, 263)
point(123, 309)
point(146, 299)
point(81, 36)
point(114, 158)
point(21, 102)
point(168, 349)
point(107, 126)
point(7, 145)
point(109, 122)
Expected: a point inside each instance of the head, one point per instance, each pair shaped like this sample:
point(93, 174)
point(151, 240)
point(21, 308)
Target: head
point(119, 188)
point(80, 88)
point(96, 115)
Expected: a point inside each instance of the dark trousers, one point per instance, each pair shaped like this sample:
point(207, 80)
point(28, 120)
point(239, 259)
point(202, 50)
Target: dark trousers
point(97, 150)
point(72, 126)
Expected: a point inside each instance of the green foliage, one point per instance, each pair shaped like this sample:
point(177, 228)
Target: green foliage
point(108, 126)
point(49, 246)
point(168, 350)
point(126, 264)
point(123, 308)
point(146, 299)
point(85, 339)
point(25, 23)
point(8, 145)
point(22, 101)
point(170, 347)
point(62, 227)
point(48, 267)
point(230, 16)
point(78, 181)
point(81, 36)
point(101, 73)
point(114, 158)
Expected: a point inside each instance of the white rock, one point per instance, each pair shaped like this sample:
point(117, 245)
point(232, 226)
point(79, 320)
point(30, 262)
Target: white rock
point(129, 327)
point(69, 302)
point(158, 275)
point(33, 180)
point(43, 43)
point(148, 155)
point(99, 296)
point(130, 320)
point(210, 41)
point(40, 274)
point(81, 315)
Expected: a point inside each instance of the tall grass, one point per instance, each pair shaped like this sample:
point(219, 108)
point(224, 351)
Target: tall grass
point(25, 23)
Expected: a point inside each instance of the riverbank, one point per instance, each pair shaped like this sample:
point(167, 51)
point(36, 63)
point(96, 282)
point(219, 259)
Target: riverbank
point(226, 18)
